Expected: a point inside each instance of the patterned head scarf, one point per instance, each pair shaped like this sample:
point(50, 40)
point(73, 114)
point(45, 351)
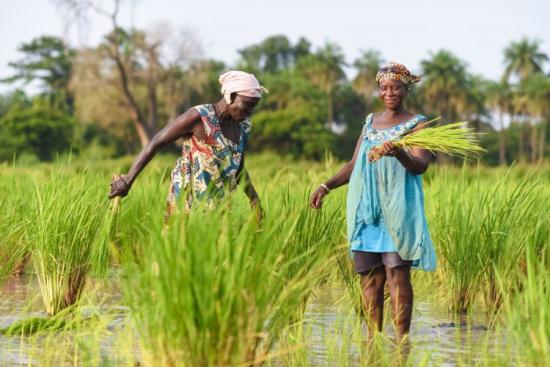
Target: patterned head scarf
point(241, 83)
point(393, 70)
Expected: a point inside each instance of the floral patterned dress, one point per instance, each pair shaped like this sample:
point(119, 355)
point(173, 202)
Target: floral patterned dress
point(207, 168)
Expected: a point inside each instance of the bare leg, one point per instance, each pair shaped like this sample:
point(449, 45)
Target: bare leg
point(401, 294)
point(372, 284)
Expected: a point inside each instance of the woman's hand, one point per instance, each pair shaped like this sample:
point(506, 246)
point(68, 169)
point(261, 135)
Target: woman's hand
point(316, 200)
point(119, 186)
point(386, 149)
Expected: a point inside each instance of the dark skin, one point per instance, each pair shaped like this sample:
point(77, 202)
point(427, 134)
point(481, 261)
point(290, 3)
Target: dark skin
point(416, 160)
point(189, 125)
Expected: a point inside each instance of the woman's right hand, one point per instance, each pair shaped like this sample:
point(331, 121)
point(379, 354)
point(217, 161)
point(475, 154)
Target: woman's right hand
point(119, 186)
point(316, 200)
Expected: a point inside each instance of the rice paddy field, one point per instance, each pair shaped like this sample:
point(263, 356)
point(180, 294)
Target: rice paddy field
point(111, 284)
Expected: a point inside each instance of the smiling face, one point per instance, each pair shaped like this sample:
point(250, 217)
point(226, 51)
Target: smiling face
point(242, 107)
point(392, 93)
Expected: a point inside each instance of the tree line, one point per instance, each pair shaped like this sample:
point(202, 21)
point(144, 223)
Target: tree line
point(116, 95)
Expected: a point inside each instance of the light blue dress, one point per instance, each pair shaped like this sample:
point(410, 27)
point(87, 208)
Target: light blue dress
point(385, 202)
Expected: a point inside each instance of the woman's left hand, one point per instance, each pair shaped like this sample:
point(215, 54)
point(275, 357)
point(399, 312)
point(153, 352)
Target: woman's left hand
point(387, 148)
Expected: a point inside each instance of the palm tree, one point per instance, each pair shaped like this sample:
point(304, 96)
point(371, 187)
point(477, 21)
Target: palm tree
point(473, 107)
point(498, 98)
point(324, 69)
point(444, 85)
point(444, 88)
point(367, 66)
point(523, 58)
point(535, 90)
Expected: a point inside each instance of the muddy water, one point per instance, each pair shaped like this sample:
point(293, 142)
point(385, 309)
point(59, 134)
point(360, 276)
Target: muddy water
point(433, 331)
point(448, 341)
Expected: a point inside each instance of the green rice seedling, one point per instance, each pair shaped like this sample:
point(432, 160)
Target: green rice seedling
point(33, 325)
point(14, 204)
point(212, 288)
point(144, 205)
point(452, 139)
point(480, 227)
point(313, 232)
point(509, 224)
point(455, 210)
point(68, 237)
point(528, 311)
point(350, 279)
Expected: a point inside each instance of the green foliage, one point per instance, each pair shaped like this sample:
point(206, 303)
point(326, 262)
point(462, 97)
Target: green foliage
point(274, 54)
point(312, 106)
point(14, 201)
point(68, 237)
point(367, 66)
point(298, 132)
point(291, 118)
point(231, 291)
point(40, 130)
point(46, 59)
point(481, 227)
point(523, 58)
point(228, 287)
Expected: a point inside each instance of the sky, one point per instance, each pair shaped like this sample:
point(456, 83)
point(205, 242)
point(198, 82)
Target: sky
point(477, 31)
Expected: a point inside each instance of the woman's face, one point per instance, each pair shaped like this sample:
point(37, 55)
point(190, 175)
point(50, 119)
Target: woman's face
point(242, 107)
point(392, 93)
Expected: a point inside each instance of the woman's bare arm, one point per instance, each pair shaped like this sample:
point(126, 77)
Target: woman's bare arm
point(340, 178)
point(178, 127)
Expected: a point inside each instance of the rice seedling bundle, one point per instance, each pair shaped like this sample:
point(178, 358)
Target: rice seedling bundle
point(480, 226)
point(68, 236)
point(528, 313)
point(453, 139)
point(212, 288)
point(16, 193)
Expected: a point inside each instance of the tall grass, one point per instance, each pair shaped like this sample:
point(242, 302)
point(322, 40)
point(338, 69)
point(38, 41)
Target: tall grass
point(528, 312)
point(68, 236)
point(480, 226)
point(16, 194)
point(213, 289)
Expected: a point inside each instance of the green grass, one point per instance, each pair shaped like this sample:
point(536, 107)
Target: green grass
point(68, 237)
point(528, 312)
point(481, 227)
point(215, 288)
point(14, 217)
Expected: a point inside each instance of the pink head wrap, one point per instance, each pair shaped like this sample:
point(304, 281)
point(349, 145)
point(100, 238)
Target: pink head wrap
point(241, 83)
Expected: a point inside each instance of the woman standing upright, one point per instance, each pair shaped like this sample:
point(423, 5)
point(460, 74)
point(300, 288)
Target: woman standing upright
point(214, 139)
point(387, 227)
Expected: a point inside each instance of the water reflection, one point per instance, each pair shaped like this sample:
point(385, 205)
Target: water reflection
point(331, 329)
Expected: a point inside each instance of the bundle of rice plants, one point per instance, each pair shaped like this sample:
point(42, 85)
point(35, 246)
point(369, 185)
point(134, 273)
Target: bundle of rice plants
point(14, 204)
point(68, 236)
point(528, 312)
point(452, 139)
point(213, 289)
point(480, 226)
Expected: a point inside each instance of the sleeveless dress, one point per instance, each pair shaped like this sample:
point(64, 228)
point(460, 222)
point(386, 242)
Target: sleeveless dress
point(385, 202)
point(207, 169)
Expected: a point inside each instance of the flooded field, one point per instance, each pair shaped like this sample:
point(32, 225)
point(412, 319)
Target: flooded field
point(328, 331)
